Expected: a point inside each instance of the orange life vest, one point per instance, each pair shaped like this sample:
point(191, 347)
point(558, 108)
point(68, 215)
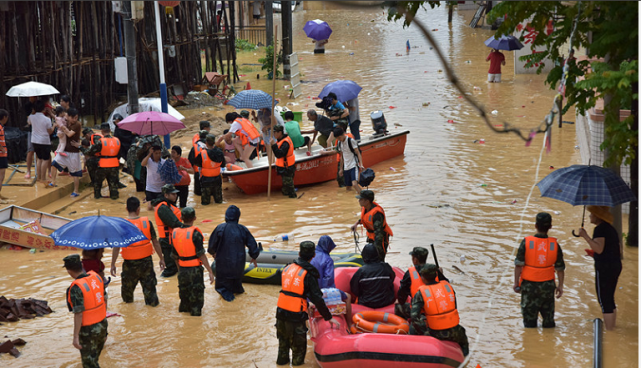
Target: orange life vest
point(289, 160)
point(183, 242)
point(416, 281)
point(109, 152)
point(195, 139)
point(143, 248)
point(93, 296)
point(368, 223)
point(197, 151)
point(439, 305)
point(95, 137)
point(165, 232)
point(249, 131)
point(210, 168)
point(291, 296)
point(540, 256)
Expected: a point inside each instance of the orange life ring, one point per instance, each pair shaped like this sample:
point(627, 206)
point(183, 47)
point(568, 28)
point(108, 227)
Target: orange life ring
point(232, 167)
point(379, 322)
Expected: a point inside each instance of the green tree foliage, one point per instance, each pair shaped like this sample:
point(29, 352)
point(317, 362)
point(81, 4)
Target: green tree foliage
point(268, 60)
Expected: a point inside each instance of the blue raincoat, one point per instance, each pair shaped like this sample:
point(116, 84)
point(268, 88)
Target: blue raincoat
point(324, 263)
point(227, 244)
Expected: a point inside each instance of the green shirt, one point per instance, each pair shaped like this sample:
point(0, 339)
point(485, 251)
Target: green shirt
point(293, 131)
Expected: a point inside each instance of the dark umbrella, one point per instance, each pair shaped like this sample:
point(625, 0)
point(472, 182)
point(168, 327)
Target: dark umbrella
point(94, 232)
point(507, 43)
point(317, 29)
point(345, 90)
point(586, 185)
point(251, 99)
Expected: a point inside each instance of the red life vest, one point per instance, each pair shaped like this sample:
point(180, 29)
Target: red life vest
point(92, 288)
point(165, 232)
point(143, 248)
point(291, 296)
point(368, 223)
point(183, 242)
point(289, 160)
point(210, 168)
point(109, 152)
point(540, 256)
point(439, 305)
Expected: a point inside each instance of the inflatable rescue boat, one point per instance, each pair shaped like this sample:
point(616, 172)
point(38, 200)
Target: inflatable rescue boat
point(338, 348)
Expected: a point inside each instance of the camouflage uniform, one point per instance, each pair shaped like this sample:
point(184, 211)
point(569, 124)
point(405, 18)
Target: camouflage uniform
point(340, 178)
point(102, 173)
point(419, 326)
point(191, 284)
point(92, 167)
point(139, 270)
point(210, 185)
point(538, 297)
point(287, 175)
point(291, 336)
point(211, 188)
point(91, 338)
point(169, 219)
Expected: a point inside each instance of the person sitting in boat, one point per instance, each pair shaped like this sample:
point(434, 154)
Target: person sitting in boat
point(323, 127)
point(292, 128)
point(247, 136)
point(285, 161)
point(433, 311)
point(412, 281)
point(325, 266)
point(373, 284)
point(225, 143)
point(299, 282)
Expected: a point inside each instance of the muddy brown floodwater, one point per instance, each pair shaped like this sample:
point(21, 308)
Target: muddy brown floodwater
point(432, 194)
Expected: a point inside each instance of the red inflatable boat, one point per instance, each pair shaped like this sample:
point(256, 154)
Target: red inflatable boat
point(337, 348)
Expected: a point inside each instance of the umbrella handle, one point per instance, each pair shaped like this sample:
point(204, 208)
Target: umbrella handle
point(582, 223)
point(575, 235)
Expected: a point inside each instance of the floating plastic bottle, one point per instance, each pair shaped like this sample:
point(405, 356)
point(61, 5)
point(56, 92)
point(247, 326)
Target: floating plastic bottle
point(284, 237)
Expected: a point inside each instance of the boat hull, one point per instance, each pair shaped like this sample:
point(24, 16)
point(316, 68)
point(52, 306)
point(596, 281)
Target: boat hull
point(319, 167)
point(13, 217)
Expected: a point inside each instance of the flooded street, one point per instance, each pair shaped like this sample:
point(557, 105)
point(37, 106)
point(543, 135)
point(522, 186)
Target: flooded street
point(468, 199)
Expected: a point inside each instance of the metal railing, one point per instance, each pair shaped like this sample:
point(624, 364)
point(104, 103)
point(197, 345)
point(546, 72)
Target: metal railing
point(253, 34)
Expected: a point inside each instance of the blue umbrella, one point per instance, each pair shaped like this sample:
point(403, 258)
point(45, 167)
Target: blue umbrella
point(251, 99)
point(94, 232)
point(507, 43)
point(345, 90)
point(586, 185)
point(317, 29)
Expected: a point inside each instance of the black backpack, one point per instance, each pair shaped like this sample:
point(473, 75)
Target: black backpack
point(366, 177)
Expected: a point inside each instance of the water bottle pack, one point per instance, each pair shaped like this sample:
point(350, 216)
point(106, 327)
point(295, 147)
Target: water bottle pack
point(284, 237)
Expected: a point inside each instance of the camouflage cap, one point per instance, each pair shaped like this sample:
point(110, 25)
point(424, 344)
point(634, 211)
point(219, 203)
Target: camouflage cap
point(203, 134)
point(105, 126)
point(210, 138)
point(543, 218)
point(188, 212)
point(429, 271)
point(86, 130)
point(244, 113)
point(279, 128)
point(419, 252)
point(117, 117)
point(307, 248)
point(168, 189)
point(204, 124)
point(72, 261)
point(366, 194)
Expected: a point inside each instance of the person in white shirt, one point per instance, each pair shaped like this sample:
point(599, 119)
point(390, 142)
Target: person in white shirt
point(41, 129)
point(154, 184)
point(351, 160)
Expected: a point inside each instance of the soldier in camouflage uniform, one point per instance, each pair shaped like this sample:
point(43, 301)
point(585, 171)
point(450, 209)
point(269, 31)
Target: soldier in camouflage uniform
point(102, 173)
point(373, 219)
point(419, 325)
point(537, 293)
point(210, 185)
point(189, 253)
point(134, 268)
point(90, 161)
point(290, 316)
point(282, 152)
point(91, 338)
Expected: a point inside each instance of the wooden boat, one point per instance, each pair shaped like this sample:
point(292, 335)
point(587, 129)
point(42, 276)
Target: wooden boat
point(30, 228)
point(321, 166)
point(338, 348)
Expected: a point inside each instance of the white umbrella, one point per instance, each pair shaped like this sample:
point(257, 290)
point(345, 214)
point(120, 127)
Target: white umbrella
point(146, 104)
point(30, 89)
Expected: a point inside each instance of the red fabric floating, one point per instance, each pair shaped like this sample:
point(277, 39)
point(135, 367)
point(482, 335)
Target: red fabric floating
point(207, 221)
point(170, 4)
point(392, 107)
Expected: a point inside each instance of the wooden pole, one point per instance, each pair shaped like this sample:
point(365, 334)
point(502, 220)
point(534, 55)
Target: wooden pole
point(273, 119)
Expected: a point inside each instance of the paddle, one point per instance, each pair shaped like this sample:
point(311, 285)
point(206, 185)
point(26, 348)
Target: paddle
point(582, 223)
point(434, 254)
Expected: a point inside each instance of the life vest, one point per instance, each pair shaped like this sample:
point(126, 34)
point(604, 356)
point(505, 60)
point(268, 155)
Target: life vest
point(183, 242)
point(249, 131)
point(540, 256)
point(289, 160)
point(92, 288)
point(195, 139)
point(143, 248)
point(291, 296)
point(368, 223)
point(416, 281)
point(197, 151)
point(439, 305)
point(210, 168)
point(109, 152)
point(95, 137)
point(165, 232)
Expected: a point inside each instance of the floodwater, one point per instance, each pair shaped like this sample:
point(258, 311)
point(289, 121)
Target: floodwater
point(433, 195)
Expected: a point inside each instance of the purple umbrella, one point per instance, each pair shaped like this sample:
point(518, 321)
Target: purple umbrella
point(317, 29)
point(345, 90)
point(151, 122)
point(507, 43)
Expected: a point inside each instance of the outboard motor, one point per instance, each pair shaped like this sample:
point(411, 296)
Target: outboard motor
point(378, 122)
